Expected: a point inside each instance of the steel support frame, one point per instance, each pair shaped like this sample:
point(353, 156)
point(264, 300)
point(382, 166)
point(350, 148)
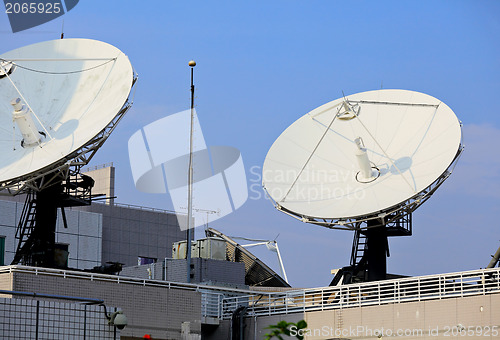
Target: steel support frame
point(393, 214)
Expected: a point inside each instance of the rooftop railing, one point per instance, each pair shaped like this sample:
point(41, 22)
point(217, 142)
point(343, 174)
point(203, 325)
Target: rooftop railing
point(220, 302)
point(441, 286)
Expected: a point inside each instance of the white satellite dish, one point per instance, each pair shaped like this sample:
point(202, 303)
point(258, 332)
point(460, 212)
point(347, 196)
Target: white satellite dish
point(59, 101)
point(362, 157)
point(364, 163)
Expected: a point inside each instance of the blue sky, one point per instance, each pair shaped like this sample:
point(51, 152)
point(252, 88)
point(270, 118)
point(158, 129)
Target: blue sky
point(263, 64)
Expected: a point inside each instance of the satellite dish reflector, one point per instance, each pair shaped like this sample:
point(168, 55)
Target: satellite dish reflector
point(363, 157)
point(59, 101)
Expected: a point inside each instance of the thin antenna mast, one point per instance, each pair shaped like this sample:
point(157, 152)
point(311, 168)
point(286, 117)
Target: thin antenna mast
point(192, 64)
point(62, 30)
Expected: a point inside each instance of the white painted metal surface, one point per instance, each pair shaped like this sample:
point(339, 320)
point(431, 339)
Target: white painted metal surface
point(313, 168)
point(74, 89)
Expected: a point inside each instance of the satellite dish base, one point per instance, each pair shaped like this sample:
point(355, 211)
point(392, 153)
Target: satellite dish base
point(36, 230)
point(370, 250)
point(377, 252)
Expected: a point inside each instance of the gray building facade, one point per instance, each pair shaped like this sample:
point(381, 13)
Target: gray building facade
point(83, 237)
point(132, 233)
point(153, 308)
point(205, 271)
point(102, 232)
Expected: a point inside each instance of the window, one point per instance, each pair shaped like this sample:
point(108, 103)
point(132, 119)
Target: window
point(2, 250)
point(145, 260)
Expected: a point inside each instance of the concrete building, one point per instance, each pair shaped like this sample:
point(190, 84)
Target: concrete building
point(454, 305)
point(102, 232)
point(133, 234)
point(204, 271)
point(104, 181)
point(154, 308)
point(83, 237)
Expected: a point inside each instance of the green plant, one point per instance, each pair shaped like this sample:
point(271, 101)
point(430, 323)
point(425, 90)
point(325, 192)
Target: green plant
point(286, 328)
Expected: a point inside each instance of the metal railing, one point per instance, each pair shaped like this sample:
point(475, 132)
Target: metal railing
point(97, 167)
point(211, 296)
point(116, 278)
point(211, 303)
point(441, 286)
point(140, 207)
point(30, 316)
point(220, 302)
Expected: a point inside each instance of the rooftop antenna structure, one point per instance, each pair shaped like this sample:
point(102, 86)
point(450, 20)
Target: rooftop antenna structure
point(271, 245)
point(59, 102)
point(364, 163)
point(257, 273)
point(208, 212)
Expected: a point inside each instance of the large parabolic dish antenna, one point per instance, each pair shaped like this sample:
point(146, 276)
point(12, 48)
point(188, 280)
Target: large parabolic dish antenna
point(59, 101)
point(366, 156)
